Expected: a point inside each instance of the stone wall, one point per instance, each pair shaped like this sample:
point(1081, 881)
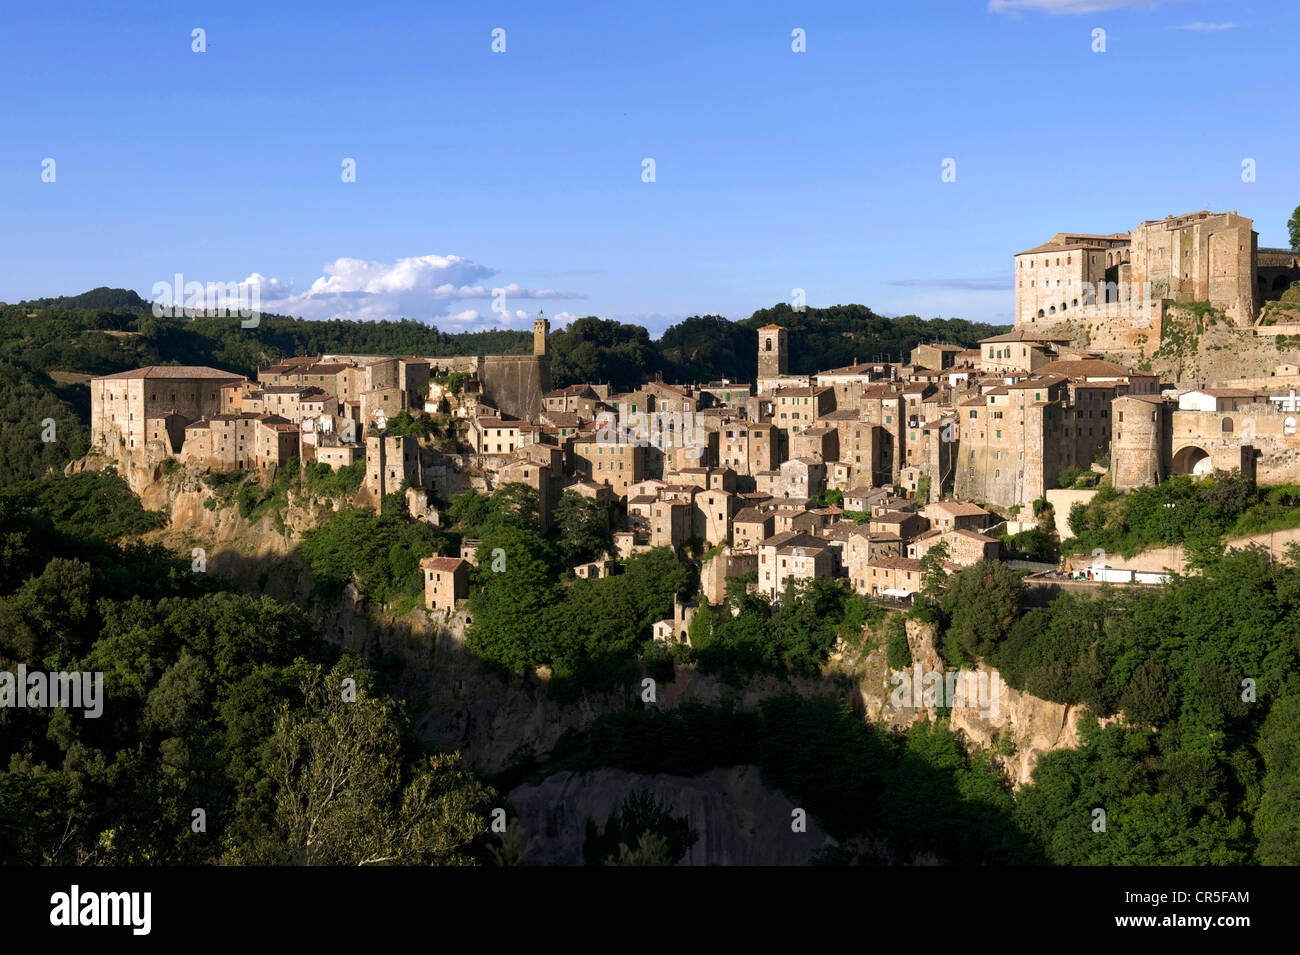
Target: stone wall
point(516, 383)
point(1062, 499)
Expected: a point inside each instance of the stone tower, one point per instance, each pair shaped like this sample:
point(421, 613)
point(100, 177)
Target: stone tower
point(771, 351)
point(541, 329)
point(1137, 455)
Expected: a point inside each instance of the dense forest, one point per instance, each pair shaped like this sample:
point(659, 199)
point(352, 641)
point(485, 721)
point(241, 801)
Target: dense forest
point(49, 348)
point(228, 731)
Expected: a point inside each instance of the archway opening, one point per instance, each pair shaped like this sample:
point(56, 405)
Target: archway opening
point(1194, 461)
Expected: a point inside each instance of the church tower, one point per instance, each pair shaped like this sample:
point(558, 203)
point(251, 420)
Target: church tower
point(771, 351)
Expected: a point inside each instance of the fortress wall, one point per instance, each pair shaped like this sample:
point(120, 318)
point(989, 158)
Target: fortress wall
point(1131, 331)
point(516, 383)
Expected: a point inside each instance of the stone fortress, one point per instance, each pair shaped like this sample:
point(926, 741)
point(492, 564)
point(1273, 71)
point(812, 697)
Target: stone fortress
point(1198, 257)
point(1114, 293)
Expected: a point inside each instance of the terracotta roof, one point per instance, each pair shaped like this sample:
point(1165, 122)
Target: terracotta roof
point(165, 372)
point(1023, 335)
point(1046, 381)
point(1067, 247)
point(1085, 368)
point(897, 563)
point(893, 517)
point(800, 391)
point(848, 370)
point(443, 563)
point(792, 539)
point(960, 508)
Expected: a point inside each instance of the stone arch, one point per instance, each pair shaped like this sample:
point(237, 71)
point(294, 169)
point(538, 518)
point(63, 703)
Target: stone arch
point(1192, 460)
point(1074, 303)
point(1041, 314)
point(1052, 310)
point(1281, 283)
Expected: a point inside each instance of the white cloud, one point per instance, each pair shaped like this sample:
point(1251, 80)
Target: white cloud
point(1070, 6)
point(1205, 27)
point(420, 287)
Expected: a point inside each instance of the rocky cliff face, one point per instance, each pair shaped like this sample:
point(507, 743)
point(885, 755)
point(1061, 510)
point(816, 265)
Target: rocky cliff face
point(1033, 726)
point(739, 820)
point(457, 703)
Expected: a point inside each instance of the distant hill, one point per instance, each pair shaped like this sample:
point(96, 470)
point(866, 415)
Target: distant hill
point(119, 299)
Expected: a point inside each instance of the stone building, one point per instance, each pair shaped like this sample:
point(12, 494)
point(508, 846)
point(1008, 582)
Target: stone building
point(390, 460)
point(956, 515)
point(1015, 441)
point(446, 580)
point(1155, 438)
point(493, 435)
point(153, 406)
point(618, 465)
point(795, 409)
point(936, 356)
point(749, 528)
point(801, 478)
point(891, 577)
point(964, 547)
point(1021, 349)
point(748, 447)
point(791, 556)
point(670, 523)
point(1197, 257)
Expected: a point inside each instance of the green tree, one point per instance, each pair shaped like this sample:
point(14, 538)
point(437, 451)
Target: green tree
point(622, 841)
point(345, 798)
point(583, 527)
point(981, 604)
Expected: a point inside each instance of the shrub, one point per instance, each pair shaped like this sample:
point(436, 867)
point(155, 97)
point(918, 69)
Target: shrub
point(898, 655)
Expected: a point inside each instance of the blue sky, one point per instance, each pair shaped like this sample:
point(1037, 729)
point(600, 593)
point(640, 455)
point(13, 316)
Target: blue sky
point(522, 170)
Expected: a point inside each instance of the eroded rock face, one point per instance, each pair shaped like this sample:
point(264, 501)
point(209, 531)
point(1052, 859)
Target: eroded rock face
point(1034, 726)
point(456, 703)
point(739, 820)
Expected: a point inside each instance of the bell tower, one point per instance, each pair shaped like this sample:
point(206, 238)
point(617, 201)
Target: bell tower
point(541, 329)
point(771, 351)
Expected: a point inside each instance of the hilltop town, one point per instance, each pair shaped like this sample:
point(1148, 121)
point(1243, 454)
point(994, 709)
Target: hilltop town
point(853, 473)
